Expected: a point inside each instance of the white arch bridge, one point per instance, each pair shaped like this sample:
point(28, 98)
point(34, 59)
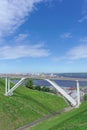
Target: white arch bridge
point(74, 102)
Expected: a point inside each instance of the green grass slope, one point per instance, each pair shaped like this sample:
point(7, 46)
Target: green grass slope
point(73, 120)
point(26, 106)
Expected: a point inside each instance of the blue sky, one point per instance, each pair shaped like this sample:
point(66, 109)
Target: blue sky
point(43, 36)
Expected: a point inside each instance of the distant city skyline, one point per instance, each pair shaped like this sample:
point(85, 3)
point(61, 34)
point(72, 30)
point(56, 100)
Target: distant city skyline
point(43, 36)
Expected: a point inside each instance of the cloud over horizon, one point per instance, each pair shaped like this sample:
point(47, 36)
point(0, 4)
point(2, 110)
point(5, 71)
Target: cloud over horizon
point(76, 53)
point(20, 46)
point(21, 51)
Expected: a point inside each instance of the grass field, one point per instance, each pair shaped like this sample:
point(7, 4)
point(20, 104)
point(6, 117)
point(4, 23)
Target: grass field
point(73, 120)
point(26, 106)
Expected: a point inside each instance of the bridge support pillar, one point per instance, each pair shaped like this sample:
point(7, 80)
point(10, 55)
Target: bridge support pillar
point(9, 91)
point(7, 86)
point(78, 95)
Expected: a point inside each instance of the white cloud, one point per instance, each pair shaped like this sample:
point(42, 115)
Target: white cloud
point(15, 52)
point(14, 12)
point(84, 12)
point(83, 39)
point(76, 53)
point(20, 46)
point(66, 35)
point(82, 19)
point(21, 37)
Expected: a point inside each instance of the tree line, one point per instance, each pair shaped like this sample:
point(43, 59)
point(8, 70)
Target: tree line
point(29, 84)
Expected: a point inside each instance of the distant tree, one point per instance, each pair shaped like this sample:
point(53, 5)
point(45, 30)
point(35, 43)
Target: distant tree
point(38, 87)
point(53, 91)
point(29, 84)
point(45, 89)
point(85, 97)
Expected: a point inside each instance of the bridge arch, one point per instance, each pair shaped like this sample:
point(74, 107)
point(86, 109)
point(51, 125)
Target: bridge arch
point(9, 91)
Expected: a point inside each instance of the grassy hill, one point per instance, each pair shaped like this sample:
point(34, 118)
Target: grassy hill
point(26, 106)
point(73, 120)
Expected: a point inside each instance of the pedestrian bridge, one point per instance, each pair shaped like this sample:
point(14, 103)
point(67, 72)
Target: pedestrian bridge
point(74, 102)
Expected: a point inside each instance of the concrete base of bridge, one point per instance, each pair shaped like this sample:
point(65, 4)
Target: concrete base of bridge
point(10, 94)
